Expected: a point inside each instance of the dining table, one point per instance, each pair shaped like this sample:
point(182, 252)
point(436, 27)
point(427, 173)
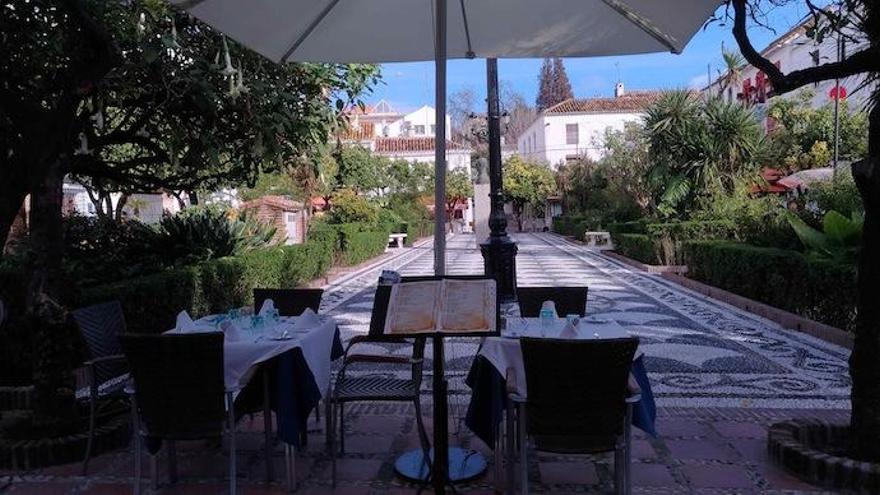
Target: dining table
point(501, 355)
point(299, 353)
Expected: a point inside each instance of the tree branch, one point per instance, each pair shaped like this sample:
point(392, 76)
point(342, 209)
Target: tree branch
point(867, 60)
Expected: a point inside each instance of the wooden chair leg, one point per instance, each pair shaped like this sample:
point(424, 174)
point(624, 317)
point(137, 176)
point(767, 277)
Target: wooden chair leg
point(290, 466)
point(341, 428)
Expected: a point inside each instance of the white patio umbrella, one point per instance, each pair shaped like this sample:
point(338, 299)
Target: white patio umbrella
point(379, 31)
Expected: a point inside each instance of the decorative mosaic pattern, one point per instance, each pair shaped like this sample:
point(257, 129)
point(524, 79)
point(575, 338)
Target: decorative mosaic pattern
point(700, 352)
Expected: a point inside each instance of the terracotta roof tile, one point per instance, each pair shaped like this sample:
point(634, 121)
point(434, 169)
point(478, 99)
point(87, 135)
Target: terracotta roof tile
point(630, 102)
point(410, 144)
point(360, 131)
point(278, 202)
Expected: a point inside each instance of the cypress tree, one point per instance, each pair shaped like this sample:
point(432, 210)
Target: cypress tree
point(561, 85)
point(545, 97)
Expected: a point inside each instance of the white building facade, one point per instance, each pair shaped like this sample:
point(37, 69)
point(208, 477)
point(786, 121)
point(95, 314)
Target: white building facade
point(398, 136)
point(792, 51)
point(576, 128)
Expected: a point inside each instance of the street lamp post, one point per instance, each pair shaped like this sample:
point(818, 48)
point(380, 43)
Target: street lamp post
point(499, 251)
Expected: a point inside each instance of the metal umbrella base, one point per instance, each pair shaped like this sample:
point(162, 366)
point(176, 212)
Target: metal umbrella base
point(464, 465)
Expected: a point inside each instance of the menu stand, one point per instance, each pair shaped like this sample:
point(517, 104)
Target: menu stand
point(448, 465)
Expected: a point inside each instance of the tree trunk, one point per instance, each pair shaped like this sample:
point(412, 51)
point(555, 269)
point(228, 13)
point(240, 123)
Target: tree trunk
point(11, 199)
point(864, 362)
point(52, 342)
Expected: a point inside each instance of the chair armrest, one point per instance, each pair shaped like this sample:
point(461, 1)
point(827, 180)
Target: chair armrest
point(633, 391)
point(103, 359)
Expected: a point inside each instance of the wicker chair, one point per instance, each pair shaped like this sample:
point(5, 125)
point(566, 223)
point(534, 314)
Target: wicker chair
point(106, 371)
point(568, 300)
point(376, 386)
point(179, 394)
point(289, 302)
point(579, 401)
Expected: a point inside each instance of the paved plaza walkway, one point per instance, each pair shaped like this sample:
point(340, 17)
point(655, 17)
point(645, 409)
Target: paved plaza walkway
point(700, 352)
point(720, 376)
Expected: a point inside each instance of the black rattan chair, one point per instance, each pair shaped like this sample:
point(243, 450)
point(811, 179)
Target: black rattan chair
point(579, 401)
point(106, 371)
point(179, 394)
point(379, 385)
point(568, 300)
point(289, 302)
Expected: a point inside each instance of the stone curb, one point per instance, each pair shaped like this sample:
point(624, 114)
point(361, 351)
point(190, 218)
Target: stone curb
point(790, 444)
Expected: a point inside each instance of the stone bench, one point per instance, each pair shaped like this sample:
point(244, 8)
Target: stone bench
point(601, 240)
point(397, 239)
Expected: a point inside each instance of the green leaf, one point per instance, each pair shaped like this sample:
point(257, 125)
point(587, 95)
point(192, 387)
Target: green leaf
point(811, 238)
point(840, 230)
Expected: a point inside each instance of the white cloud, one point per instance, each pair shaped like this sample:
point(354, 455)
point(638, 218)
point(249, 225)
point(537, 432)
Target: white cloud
point(699, 82)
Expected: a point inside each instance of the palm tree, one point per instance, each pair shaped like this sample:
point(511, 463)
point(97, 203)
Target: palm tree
point(731, 77)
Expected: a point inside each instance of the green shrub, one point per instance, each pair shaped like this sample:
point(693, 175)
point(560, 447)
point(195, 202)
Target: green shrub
point(202, 233)
point(151, 302)
point(817, 289)
point(348, 207)
point(361, 246)
point(639, 247)
point(633, 227)
point(417, 230)
point(669, 237)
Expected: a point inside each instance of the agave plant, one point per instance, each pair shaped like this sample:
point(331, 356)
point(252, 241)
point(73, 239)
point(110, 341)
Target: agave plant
point(839, 239)
point(201, 233)
point(697, 146)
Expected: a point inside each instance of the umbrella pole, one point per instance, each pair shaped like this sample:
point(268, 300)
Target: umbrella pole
point(440, 139)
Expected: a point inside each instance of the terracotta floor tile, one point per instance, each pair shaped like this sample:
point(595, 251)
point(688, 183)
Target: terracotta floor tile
point(706, 476)
point(651, 475)
point(699, 449)
point(568, 473)
point(740, 429)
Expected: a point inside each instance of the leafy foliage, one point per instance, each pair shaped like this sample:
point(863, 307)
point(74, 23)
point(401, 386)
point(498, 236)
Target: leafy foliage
point(202, 233)
point(349, 207)
point(840, 237)
point(527, 185)
point(697, 145)
point(805, 135)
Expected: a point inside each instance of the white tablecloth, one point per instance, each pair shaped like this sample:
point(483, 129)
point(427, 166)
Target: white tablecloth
point(505, 353)
point(241, 357)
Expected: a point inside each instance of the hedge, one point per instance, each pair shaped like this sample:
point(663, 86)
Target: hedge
point(820, 290)
point(669, 237)
point(417, 230)
point(361, 246)
point(573, 226)
point(152, 302)
point(636, 246)
point(634, 227)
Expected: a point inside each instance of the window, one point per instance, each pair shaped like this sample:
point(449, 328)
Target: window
point(433, 129)
point(420, 129)
point(571, 134)
point(290, 223)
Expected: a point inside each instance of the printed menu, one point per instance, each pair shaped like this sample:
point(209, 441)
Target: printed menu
point(442, 306)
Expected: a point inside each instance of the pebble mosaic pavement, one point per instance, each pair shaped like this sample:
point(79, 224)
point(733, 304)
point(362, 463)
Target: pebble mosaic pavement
point(699, 352)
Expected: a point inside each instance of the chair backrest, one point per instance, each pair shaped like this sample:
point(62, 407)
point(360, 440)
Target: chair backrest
point(383, 296)
point(2, 313)
point(577, 390)
point(289, 302)
point(178, 381)
point(568, 300)
point(101, 325)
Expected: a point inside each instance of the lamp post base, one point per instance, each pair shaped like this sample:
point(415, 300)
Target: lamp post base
point(499, 262)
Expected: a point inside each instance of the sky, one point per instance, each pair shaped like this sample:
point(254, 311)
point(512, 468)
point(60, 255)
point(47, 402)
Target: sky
point(408, 86)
